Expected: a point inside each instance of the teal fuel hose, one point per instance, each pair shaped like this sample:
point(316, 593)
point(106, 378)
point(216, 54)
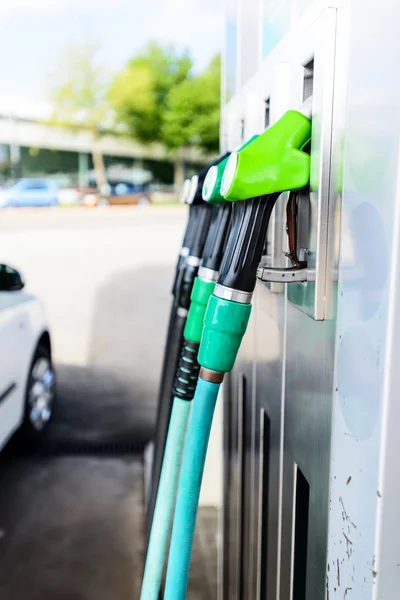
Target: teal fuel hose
point(189, 488)
point(165, 500)
point(229, 307)
point(185, 384)
point(194, 243)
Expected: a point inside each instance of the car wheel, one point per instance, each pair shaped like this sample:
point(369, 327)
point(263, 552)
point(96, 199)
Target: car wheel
point(144, 201)
point(40, 396)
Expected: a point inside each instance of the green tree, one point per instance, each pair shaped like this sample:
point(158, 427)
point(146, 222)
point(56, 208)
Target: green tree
point(79, 93)
point(193, 111)
point(158, 99)
point(139, 94)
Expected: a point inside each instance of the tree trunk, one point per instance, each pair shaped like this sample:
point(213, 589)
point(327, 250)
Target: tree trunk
point(99, 168)
point(179, 171)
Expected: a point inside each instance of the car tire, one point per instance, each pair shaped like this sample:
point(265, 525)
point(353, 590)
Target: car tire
point(40, 396)
point(144, 201)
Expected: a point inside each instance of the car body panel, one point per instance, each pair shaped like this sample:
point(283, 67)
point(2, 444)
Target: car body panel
point(118, 194)
point(22, 324)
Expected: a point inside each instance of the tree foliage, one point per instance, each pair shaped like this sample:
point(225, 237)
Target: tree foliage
point(192, 115)
point(140, 93)
point(79, 93)
point(79, 89)
point(158, 98)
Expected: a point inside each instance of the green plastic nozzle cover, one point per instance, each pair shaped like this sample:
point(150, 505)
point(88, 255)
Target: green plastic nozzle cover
point(225, 324)
point(272, 163)
point(201, 293)
point(212, 183)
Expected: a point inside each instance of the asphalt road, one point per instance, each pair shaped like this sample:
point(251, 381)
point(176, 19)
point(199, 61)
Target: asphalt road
point(104, 277)
point(71, 515)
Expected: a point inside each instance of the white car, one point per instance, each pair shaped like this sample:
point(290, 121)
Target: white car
point(27, 381)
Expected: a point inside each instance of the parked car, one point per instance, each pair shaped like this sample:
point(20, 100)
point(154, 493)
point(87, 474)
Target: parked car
point(68, 197)
point(118, 194)
point(164, 194)
point(28, 192)
point(27, 380)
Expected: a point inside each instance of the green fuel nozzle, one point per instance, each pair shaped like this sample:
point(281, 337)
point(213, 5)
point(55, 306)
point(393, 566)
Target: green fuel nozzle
point(211, 191)
point(257, 174)
point(274, 162)
point(195, 193)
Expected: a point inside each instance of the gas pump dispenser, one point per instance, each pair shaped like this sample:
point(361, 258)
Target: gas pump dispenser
point(311, 409)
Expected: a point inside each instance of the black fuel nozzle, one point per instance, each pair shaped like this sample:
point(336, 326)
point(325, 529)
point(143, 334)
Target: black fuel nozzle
point(192, 262)
point(188, 235)
point(187, 243)
point(188, 368)
point(244, 249)
point(217, 236)
point(201, 212)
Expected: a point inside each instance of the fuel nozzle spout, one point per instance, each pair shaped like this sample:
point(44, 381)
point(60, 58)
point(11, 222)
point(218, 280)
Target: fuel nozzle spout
point(257, 174)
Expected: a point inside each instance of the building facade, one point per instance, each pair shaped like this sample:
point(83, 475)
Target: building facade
point(29, 147)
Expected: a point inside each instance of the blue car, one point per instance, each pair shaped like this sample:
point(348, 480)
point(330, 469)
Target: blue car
point(28, 192)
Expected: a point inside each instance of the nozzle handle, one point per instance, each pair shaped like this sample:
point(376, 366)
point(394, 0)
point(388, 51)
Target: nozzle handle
point(189, 232)
point(188, 272)
point(245, 243)
point(200, 230)
point(217, 236)
point(186, 243)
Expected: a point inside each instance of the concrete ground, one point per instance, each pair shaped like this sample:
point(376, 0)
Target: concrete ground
point(71, 515)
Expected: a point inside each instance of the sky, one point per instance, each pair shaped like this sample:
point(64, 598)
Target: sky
point(34, 34)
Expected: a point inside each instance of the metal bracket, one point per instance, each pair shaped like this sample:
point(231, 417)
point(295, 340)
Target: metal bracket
point(290, 275)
